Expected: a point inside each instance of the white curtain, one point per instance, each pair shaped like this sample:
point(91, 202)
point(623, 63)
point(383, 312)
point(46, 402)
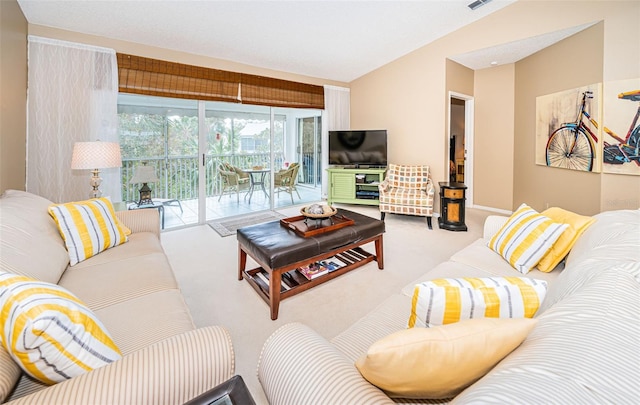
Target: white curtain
point(336, 116)
point(72, 97)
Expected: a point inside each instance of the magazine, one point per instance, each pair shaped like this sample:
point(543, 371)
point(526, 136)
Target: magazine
point(313, 270)
point(333, 263)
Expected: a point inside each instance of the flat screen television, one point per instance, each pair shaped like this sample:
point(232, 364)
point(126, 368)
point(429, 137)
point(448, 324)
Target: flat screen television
point(358, 148)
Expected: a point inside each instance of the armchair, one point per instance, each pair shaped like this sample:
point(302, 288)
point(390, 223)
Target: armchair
point(232, 179)
point(285, 180)
point(407, 190)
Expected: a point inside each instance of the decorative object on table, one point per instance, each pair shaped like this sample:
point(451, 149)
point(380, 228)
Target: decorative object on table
point(144, 174)
point(299, 224)
point(95, 155)
point(257, 167)
point(318, 211)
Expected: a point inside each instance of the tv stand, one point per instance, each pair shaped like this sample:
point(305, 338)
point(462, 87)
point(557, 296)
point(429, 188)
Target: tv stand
point(355, 185)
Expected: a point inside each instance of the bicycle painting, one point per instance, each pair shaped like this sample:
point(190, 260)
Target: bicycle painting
point(621, 135)
point(567, 134)
point(577, 143)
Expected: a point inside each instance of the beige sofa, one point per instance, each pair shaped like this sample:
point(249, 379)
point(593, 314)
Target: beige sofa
point(583, 349)
point(132, 289)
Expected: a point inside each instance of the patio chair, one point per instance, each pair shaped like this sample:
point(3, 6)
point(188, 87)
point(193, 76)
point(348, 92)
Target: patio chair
point(285, 180)
point(232, 179)
point(407, 190)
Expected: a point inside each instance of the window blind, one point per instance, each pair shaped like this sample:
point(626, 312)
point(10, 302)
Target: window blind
point(155, 77)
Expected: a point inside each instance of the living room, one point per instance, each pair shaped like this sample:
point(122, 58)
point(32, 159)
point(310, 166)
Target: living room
point(400, 96)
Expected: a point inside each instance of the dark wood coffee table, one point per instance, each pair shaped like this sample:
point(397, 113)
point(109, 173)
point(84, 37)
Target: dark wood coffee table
point(279, 251)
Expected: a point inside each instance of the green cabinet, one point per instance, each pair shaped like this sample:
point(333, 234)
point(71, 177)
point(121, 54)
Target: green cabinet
point(354, 186)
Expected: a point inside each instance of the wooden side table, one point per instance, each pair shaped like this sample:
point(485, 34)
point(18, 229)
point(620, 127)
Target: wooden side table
point(452, 197)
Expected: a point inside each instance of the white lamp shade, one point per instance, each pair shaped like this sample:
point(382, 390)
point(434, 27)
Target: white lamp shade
point(96, 155)
point(144, 174)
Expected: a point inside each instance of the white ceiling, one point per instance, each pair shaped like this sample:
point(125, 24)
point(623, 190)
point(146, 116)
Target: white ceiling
point(337, 40)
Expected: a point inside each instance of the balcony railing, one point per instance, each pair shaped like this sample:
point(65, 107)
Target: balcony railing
point(179, 174)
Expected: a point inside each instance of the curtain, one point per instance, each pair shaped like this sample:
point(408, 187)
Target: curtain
point(72, 97)
point(336, 116)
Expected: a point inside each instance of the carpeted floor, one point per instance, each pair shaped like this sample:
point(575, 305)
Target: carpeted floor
point(229, 226)
point(206, 267)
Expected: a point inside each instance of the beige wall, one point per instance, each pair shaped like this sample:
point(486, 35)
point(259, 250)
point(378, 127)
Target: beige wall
point(542, 74)
point(13, 90)
point(493, 150)
point(409, 97)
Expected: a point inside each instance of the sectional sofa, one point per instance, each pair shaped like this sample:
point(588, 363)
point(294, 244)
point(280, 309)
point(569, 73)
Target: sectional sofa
point(582, 349)
point(132, 290)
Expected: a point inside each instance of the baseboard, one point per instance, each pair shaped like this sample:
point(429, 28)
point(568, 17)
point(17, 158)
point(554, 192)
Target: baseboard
point(496, 210)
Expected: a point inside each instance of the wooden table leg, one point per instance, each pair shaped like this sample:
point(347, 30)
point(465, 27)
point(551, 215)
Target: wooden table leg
point(274, 293)
point(242, 261)
point(379, 252)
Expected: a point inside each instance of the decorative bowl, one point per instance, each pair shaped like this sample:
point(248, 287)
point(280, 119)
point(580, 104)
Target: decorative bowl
point(318, 211)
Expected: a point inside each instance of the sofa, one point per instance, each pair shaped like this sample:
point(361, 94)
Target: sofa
point(582, 349)
point(132, 290)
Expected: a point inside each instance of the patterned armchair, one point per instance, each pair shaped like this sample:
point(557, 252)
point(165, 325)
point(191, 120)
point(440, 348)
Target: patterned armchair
point(407, 190)
point(232, 179)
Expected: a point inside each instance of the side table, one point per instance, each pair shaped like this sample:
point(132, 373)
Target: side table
point(452, 197)
point(231, 392)
point(157, 205)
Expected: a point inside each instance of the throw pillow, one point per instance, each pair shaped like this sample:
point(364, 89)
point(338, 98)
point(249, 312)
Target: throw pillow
point(577, 224)
point(525, 238)
point(49, 332)
point(87, 227)
point(440, 362)
point(449, 300)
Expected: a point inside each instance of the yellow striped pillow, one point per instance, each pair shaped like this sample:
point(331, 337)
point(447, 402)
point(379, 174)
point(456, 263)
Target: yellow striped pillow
point(525, 238)
point(449, 300)
point(49, 332)
point(88, 227)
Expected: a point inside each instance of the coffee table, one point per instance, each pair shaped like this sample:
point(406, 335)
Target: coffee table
point(279, 251)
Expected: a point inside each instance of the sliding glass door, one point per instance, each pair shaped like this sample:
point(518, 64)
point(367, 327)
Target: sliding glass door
point(215, 160)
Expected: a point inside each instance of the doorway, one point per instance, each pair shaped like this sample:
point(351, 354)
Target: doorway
point(460, 142)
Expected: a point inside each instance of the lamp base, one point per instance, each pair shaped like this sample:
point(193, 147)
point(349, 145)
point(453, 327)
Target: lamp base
point(145, 195)
point(95, 182)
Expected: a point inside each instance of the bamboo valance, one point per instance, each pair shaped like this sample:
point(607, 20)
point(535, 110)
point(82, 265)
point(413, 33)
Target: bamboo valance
point(155, 77)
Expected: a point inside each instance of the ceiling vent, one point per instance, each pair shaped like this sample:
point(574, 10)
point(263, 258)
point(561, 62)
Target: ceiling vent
point(477, 4)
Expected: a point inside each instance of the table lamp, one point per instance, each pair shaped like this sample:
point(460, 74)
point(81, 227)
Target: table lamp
point(95, 155)
point(144, 174)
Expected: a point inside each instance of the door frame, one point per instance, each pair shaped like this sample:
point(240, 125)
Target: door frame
point(469, 104)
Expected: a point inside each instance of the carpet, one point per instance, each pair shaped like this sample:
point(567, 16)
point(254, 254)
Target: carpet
point(229, 226)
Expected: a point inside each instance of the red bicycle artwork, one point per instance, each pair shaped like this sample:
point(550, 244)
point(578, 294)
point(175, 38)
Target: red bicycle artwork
point(573, 144)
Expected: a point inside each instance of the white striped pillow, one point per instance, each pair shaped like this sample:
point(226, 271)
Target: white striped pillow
point(525, 238)
point(49, 332)
point(449, 300)
point(88, 227)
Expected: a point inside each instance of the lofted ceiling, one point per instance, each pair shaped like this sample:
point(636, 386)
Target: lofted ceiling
point(337, 40)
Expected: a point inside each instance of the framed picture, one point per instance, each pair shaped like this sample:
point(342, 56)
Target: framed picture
point(567, 129)
point(621, 132)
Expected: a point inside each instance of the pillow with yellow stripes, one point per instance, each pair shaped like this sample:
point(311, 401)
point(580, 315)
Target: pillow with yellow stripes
point(88, 227)
point(525, 238)
point(449, 300)
point(49, 332)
